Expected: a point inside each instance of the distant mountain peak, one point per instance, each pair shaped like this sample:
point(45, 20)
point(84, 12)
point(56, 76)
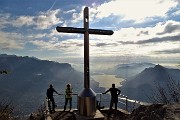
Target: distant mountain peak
point(159, 67)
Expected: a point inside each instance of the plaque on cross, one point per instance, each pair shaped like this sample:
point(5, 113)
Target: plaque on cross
point(87, 96)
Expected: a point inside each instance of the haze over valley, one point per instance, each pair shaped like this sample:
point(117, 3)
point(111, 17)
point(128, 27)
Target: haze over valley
point(28, 78)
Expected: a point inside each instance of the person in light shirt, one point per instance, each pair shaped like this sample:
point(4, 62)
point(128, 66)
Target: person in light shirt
point(68, 97)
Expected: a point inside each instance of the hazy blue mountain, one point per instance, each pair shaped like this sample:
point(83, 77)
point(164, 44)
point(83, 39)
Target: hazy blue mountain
point(28, 79)
point(144, 83)
point(128, 70)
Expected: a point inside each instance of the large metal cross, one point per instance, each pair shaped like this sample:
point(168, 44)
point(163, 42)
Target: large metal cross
point(86, 31)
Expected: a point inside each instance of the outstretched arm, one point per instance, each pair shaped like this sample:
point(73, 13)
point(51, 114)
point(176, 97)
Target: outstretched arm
point(56, 92)
point(106, 91)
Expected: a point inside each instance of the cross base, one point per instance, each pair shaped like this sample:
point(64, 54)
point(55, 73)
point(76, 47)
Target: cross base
point(87, 102)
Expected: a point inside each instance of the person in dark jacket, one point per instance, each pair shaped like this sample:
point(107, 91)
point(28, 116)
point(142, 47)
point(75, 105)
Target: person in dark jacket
point(114, 96)
point(50, 98)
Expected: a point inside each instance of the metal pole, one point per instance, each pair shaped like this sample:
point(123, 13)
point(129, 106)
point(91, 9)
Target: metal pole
point(100, 101)
point(126, 104)
point(86, 48)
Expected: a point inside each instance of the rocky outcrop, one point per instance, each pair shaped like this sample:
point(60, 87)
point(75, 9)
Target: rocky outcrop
point(156, 112)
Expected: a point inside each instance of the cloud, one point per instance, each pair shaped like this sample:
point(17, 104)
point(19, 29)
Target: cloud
point(163, 39)
point(70, 11)
point(177, 1)
point(137, 10)
point(45, 45)
point(54, 44)
point(125, 40)
point(23, 21)
point(9, 41)
point(103, 44)
point(162, 30)
point(170, 27)
point(154, 40)
point(44, 20)
point(41, 44)
point(143, 33)
point(169, 51)
point(149, 38)
point(4, 17)
point(177, 12)
point(47, 19)
point(123, 10)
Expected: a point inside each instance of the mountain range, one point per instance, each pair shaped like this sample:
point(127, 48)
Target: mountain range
point(28, 78)
point(126, 71)
point(146, 82)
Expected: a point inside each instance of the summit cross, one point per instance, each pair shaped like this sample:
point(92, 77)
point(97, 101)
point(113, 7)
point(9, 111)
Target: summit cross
point(87, 97)
point(86, 31)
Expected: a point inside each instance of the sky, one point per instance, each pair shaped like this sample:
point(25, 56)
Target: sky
point(144, 30)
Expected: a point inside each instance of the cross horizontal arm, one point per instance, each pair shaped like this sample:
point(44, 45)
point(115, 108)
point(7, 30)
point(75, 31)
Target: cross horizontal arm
point(70, 30)
point(100, 32)
point(82, 30)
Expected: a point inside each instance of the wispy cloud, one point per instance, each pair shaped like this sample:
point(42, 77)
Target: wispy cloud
point(54, 44)
point(168, 51)
point(47, 19)
point(4, 18)
point(154, 40)
point(43, 20)
point(10, 41)
point(70, 11)
point(24, 21)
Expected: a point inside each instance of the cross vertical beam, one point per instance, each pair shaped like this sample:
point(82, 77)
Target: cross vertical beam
point(86, 49)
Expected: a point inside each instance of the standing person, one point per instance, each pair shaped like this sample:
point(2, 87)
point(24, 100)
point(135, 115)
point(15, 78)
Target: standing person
point(50, 97)
point(68, 97)
point(114, 96)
